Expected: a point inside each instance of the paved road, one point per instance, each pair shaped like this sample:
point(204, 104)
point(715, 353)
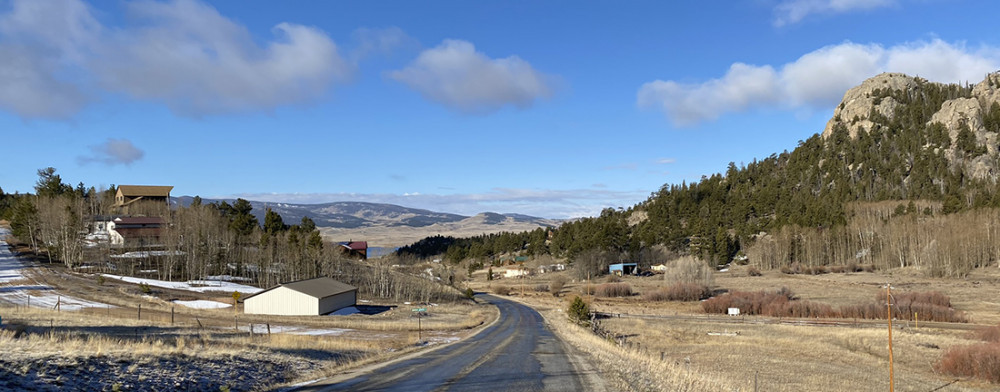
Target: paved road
point(517, 353)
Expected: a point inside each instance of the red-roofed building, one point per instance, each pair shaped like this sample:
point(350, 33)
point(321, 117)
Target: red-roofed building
point(357, 249)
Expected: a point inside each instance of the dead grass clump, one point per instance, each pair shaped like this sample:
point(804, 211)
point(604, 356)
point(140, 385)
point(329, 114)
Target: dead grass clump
point(981, 361)
point(541, 287)
point(838, 269)
point(753, 271)
point(678, 292)
point(613, 290)
point(989, 334)
point(501, 290)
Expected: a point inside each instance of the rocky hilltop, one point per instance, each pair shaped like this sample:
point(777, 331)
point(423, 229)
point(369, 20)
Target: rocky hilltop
point(878, 101)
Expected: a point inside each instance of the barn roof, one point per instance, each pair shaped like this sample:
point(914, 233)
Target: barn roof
point(355, 245)
point(145, 190)
point(321, 287)
point(138, 221)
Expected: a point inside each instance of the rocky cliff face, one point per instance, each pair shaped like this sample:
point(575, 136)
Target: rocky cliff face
point(876, 95)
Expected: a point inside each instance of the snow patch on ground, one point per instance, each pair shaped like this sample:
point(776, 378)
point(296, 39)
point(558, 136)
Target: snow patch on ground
point(16, 288)
point(200, 286)
point(147, 254)
point(294, 330)
point(203, 304)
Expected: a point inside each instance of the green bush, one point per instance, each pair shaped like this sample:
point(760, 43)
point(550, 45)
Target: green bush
point(578, 310)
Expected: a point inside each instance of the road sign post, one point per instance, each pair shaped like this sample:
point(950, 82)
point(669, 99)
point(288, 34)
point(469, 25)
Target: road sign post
point(419, 311)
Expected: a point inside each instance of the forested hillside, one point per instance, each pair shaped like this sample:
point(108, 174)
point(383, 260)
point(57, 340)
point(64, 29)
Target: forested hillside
point(894, 139)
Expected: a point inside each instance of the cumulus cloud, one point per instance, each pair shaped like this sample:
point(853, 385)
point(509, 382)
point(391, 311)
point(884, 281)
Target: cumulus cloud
point(547, 203)
point(793, 11)
point(57, 57)
point(384, 42)
point(456, 75)
point(40, 42)
point(817, 79)
point(113, 152)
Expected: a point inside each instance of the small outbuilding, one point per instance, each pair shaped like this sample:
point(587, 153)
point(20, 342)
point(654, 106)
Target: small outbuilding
point(310, 297)
point(623, 269)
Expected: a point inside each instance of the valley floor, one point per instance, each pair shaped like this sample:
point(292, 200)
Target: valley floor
point(718, 352)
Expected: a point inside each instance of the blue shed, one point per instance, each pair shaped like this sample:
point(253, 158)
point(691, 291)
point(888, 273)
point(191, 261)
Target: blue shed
point(623, 269)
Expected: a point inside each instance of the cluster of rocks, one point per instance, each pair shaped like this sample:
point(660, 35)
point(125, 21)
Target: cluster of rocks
point(159, 373)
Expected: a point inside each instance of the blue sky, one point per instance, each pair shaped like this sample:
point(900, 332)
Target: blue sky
point(553, 109)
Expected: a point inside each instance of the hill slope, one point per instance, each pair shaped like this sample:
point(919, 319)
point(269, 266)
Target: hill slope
point(388, 224)
point(894, 137)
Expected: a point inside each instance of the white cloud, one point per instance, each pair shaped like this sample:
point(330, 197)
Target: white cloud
point(55, 57)
point(113, 152)
point(686, 104)
point(793, 11)
point(666, 161)
point(457, 76)
point(39, 44)
point(557, 204)
point(817, 79)
point(198, 62)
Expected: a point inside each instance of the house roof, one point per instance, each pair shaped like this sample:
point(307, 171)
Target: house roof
point(355, 245)
point(321, 287)
point(138, 220)
point(145, 190)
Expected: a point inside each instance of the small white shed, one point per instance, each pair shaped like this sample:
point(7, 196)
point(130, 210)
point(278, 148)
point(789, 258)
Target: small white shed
point(310, 297)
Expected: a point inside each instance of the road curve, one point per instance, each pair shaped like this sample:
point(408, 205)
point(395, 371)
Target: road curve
point(517, 353)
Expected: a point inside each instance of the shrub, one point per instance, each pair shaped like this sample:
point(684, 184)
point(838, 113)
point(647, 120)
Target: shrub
point(837, 269)
point(612, 279)
point(502, 290)
point(469, 293)
point(613, 290)
point(929, 306)
point(579, 310)
point(852, 267)
point(981, 361)
point(688, 269)
point(678, 292)
point(556, 286)
point(780, 303)
point(753, 271)
point(541, 287)
point(144, 288)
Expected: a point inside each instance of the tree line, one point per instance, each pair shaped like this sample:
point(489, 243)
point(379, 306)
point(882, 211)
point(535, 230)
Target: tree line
point(197, 241)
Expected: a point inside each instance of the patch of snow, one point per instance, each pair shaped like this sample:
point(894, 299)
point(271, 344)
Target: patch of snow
point(724, 270)
point(227, 278)
point(26, 292)
point(202, 304)
point(147, 254)
point(345, 311)
point(200, 286)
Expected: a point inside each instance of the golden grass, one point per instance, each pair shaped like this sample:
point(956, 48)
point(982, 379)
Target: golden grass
point(629, 370)
point(782, 357)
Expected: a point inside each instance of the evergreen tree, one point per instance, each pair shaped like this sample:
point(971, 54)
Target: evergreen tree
point(273, 223)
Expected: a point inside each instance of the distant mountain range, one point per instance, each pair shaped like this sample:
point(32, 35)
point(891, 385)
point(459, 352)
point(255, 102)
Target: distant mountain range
point(348, 216)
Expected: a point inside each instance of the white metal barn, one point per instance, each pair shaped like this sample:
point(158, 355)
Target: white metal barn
point(310, 297)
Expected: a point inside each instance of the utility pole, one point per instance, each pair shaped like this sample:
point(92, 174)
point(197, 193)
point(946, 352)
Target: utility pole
point(888, 305)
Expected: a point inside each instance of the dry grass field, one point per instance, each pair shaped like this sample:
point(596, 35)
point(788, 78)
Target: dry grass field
point(718, 354)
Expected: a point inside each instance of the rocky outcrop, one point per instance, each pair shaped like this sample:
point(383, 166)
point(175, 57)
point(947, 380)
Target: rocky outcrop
point(873, 94)
point(858, 102)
